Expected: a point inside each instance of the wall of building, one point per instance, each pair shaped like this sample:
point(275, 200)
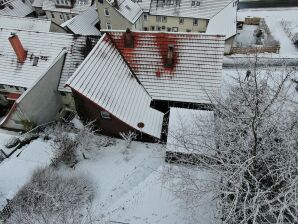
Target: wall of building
point(59, 17)
point(117, 21)
point(89, 111)
point(40, 103)
point(228, 45)
point(56, 28)
point(173, 22)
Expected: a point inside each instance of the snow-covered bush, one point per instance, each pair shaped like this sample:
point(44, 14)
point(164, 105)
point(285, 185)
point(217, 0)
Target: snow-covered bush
point(256, 155)
point(50, 197)
point(128, 137)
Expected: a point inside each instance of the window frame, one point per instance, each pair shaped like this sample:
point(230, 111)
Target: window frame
point(195, 22)
point(107, 12)
point(105, 115)
point(181, 19)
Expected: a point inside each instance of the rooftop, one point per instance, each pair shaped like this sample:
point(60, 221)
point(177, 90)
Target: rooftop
point(201, 9)
point(195, 74)
point(84, 23)
point(45, 46)
point(26, 23)
point(106, 79)
point(190, 131)
point(20, 8)
point(128, 9)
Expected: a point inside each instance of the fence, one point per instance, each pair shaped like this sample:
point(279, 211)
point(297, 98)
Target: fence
point(253, 50)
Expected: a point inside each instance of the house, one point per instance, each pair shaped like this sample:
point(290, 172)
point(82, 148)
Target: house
point(203, 16)
point(60, 11)
point(32, 67)
point(190, 134)
point(20, 8)
point(120, 14)
point(87, 23)
point(128, 74)
point(30, 24)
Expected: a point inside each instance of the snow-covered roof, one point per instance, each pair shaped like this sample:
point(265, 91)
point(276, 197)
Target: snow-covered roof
point(145, 5)
point(25, 23)
point(224, 22)
point(190, 131)
point(84, 23)
point(202, 9)
point(78, 7)
point(128, 9)
point(37, 3)
point(105, 78)
point(20, 8)
point(46, 46)
point(197, 63)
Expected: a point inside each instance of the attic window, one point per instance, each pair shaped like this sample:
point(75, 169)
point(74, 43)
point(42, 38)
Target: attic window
point(107, 13)
point(195, 3)
point(105, 115)
point(127, 7)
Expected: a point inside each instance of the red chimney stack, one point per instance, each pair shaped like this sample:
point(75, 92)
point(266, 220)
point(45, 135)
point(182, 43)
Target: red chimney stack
point(18, 48)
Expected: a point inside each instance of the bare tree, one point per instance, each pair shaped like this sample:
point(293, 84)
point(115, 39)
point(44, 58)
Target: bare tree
point(255, 159)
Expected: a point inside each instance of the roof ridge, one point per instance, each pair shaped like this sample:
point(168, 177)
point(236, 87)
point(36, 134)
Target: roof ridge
point(126, 62)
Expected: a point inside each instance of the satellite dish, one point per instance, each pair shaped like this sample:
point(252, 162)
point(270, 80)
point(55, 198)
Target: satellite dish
point(141, 125)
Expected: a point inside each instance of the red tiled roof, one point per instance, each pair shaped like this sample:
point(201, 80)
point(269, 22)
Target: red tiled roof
point(13, 96)
point(196, 70)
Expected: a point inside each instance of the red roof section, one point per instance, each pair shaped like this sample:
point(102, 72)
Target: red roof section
point(196, 65)
point(13, 96)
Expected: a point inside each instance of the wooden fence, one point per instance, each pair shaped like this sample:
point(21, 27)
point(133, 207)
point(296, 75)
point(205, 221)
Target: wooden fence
point(253, 50)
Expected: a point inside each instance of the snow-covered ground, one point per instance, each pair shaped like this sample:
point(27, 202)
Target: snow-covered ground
point(273, 18)
point(129, 183)
point(17, 170)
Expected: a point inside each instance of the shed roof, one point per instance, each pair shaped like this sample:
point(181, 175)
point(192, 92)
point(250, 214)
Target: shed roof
point(196, 72)
point(105, 78)
point(25, 23)
point(46, 46)
point(191, 131)
point(224, 22)
point(84, 23)
point(20, 8)
point(128, 9)
point(201, 9)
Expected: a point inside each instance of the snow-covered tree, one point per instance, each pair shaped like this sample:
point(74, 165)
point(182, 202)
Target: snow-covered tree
point(255, 161)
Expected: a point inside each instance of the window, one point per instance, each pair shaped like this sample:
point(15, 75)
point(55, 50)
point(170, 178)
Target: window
point(181, 20)
point(127, 7)
point(188, 30)
point(175, 29)
point(169, 29)
point(1, 86)
point(107, 13)
point(53, 16)
point(195, 22)
point(67, 16)
point(145, 29)
point(61, 16)
point(193, 3)
point(109, 26)
point(152, 27)
point(159, 28)
point(198, 3)
point(105, 115)
point(158, 19)
point(145, 17)
point(163, 27)
point(164, 19)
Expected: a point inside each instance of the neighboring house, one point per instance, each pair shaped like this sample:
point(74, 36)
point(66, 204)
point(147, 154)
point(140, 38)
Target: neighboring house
point(20, 8)
point(120, 14)
point(32, 66)
point(60, 11)
point(30, 24)
point(129, 73)
point(203, 16)
point(87, 23)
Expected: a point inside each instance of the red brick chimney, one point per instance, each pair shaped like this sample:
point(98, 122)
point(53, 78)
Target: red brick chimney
point(128, 39)
point(18, 48)
point(170, 55)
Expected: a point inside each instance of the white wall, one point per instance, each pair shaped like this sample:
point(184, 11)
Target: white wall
point(40, 103)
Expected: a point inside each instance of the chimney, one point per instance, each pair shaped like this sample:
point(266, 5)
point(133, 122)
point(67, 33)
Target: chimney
point(128, 39)
point(18, 47)
point(170, 55)
point(115, 4)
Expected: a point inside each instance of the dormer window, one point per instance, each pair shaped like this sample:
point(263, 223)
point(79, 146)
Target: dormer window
point(195, 3)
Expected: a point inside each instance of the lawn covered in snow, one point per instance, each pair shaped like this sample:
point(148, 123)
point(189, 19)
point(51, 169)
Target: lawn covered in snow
point(129, 183)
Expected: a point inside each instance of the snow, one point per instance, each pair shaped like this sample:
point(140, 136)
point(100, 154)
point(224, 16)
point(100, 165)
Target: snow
point(16, 170)
point(273, 18)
